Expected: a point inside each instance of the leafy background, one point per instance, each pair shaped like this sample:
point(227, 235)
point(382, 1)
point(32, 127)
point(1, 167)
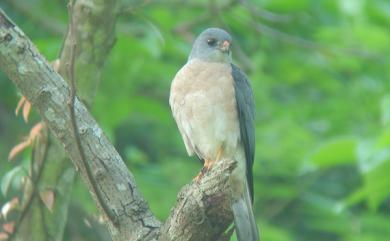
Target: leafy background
point(321, 78)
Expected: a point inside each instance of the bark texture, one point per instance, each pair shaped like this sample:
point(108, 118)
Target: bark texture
point(94, 31)
point(49, 92)
point(202, 211)
point(94, 34)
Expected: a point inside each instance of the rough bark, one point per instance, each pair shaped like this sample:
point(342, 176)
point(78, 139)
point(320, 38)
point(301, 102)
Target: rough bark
point(202, 211)
point(48, 92)
point(94, 34)
point(94, 31)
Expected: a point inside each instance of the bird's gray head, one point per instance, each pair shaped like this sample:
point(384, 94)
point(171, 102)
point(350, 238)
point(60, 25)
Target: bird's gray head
point(212, 45)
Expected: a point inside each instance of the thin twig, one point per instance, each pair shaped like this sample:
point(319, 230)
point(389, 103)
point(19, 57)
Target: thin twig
point(51, 25)
point(134, 7)
point(34, 179)
point(265, 14)
point(305, 43)
point(184, 28)
point(70, 67)
point(300, 41)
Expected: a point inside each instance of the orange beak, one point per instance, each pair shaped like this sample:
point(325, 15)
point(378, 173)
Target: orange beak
point(225, 46)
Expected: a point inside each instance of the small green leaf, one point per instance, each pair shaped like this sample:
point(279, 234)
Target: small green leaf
point(335, 152)
point(383, 140)
point(377, 184)
point(374, 166)
point(9, 177)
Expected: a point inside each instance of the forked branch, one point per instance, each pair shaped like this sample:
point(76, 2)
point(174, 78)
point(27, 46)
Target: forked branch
point(202, 210)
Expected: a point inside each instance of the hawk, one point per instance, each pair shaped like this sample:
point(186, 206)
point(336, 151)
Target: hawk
point(212, 103)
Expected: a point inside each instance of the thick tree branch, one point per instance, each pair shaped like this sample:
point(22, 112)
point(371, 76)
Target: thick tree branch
point(48, 92)
point(71, 75)
point(94, 30)
point(202, 211)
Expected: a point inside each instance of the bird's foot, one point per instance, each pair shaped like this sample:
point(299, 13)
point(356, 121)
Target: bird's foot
point(205, 168)
point(200, 175)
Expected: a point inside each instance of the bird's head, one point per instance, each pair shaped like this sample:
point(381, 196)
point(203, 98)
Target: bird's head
point(212, 45)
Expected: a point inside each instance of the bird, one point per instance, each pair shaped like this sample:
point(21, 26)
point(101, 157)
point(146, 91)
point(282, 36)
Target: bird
point(211, 100)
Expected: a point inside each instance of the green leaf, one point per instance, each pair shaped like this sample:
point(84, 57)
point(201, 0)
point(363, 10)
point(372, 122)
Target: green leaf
point(385, 110)
point(336, 152)
point(13, 175)
point(287, 6)
point(274, 233)
point(374, 165)
point(384, 139)
point(377, 184)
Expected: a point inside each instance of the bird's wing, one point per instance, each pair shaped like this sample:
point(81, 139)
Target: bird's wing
point(176, 101)
point(245, 110)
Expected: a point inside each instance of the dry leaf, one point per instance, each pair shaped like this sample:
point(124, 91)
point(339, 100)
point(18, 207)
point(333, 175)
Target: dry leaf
point(23, 102)
point(47, 198)
point(9, 206)
point(35, 131)
point(20, 104)
point(9, 227)
point(26, 110)
point(18, 148)
point(3, 236)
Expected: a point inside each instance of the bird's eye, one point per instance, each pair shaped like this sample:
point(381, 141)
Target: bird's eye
point(211, 41)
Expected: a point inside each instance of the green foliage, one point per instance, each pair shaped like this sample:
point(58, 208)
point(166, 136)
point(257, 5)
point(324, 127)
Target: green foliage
point(11, 178)
point(321, 79)
point(334, 153)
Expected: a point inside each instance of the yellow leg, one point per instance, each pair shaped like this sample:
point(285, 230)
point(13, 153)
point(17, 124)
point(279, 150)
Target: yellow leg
point(219, 153)
point(208, 164)
point(205, 168)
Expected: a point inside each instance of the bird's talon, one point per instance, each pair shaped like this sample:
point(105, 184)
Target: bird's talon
point(201, 174)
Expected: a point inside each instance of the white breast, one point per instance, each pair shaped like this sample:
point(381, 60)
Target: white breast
point(204, 106)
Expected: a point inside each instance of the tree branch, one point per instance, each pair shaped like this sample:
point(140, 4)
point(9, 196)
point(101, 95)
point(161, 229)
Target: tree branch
point(39, 159)
point(202, 211)
point(48, 92)
point(94, 29)
point(71, 101)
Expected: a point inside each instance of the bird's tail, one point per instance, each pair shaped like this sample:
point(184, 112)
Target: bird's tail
point(244, 219)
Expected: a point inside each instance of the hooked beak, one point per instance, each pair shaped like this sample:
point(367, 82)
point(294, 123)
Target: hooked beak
point(225, 46)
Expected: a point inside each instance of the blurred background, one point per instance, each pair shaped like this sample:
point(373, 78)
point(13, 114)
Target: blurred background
point(320, 71)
